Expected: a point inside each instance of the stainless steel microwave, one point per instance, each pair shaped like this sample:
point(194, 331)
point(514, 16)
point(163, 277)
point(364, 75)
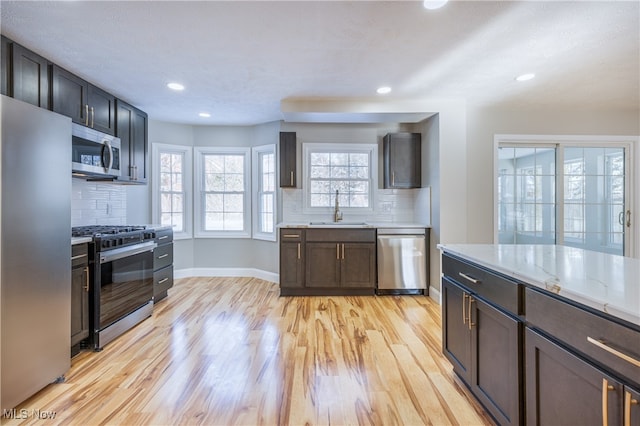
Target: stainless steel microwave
point(94, 154)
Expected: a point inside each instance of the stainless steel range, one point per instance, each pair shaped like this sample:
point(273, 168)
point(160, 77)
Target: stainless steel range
point(121, 283)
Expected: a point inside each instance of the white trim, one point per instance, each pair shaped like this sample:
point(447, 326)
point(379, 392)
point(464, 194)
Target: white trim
point(198, 208)
point(187, 151)
point(227, 272)
point(370, 149)
point(255, 179)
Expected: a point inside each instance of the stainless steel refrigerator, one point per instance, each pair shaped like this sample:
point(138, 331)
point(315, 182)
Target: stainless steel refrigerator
point(35, 254)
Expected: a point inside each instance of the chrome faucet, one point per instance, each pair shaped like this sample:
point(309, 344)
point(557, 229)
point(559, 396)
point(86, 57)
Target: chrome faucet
point(337, 214)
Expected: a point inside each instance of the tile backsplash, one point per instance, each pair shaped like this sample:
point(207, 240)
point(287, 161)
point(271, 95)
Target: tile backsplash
point(94, 203)
point(391, 205)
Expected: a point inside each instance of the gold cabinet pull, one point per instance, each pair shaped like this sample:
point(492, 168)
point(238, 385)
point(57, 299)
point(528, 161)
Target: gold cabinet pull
point(290, 236)
point(606, 387)
point(337, 251)
point(628, 402)
point(80, 256)
point(291, 177)
point(342, 251)
point(298, 250)
point(604, 346)
point(164, 280)
point(464, 307)
point(471, 300)
point(93, 116)
point(86, 272)
point(469, 278)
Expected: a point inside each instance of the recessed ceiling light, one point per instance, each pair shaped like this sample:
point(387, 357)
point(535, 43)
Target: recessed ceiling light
point(525, 77)
point(434, 4)
point(175, 86)
point(384, 90)
point(204, 115)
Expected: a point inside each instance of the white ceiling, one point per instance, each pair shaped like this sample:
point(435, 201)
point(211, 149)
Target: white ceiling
point(240, 59)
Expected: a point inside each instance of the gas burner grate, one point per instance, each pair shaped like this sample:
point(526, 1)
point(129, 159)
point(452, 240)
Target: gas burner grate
point(90, 231)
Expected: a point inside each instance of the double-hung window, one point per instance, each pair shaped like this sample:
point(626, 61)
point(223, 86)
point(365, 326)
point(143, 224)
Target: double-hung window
point(171, 193)
point(264, 189)
point(222, 192)
point(349, 169)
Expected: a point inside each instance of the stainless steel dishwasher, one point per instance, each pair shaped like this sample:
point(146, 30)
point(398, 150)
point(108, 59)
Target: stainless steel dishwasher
point(402, 262)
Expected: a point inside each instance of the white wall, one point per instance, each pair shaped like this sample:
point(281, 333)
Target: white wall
point(484, 123)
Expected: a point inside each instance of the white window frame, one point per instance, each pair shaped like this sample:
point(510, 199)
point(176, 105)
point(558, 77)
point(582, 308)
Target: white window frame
point(370, 149)
point(627, 142)
point(199, 199)
point(257, 190)
point(187, 152)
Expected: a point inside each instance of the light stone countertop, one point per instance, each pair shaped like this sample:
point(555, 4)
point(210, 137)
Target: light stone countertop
point(351, 224)
point(80, 240)
point(605, 282)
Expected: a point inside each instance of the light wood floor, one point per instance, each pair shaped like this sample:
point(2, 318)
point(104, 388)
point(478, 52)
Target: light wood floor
point(225, 351)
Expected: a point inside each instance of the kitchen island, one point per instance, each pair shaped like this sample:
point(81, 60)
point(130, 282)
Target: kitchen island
point(544, 334)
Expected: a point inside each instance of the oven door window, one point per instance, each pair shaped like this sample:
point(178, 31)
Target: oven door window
point(126, 285)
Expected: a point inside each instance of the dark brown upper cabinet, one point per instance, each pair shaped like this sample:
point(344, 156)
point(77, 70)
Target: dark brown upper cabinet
point(288, 155)
point(5, 63)
point(132, 129)
point(25, 75)
point(402, 160)
point(83, 102)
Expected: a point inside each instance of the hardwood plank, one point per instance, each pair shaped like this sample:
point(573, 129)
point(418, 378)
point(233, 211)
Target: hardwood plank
point(225, 351)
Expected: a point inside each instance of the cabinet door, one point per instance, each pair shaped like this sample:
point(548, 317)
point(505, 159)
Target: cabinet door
point(563, 389)
point(495, 357)
point(322, 265)
point(139, 145)
point(291, 265)
point(402, 160)
point(631, 406)
point(30, 77)
point(358, 266)
point(5, 65)
point(101, 110)
point(70, 96)
point(456, 339)
point(79, 304)
point(132, 129)
point(288, 156)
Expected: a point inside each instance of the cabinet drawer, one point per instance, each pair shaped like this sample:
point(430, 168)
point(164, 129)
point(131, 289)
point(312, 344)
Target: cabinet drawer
point(79, 255)
point(164, 236)
point(493, 288)
point(162, 281)
point(162, 256)
point(596, 337)
point(342, 235)
point(289, 235)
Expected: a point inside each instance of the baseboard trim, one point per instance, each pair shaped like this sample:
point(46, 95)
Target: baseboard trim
point(434, 293)
point(227, 272)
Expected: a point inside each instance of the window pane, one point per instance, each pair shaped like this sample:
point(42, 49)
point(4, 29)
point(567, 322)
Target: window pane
point(526, 195)
point(345, 172)
point(171, 191)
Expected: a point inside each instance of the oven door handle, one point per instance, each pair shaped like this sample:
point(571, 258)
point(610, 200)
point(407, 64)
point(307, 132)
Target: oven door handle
point(120, 253)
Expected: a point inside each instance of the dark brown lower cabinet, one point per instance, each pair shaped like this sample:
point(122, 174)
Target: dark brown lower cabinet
point(482, 342)
point(79, 296)
point(316, 262)
point(291, 260)
point(563, 389)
